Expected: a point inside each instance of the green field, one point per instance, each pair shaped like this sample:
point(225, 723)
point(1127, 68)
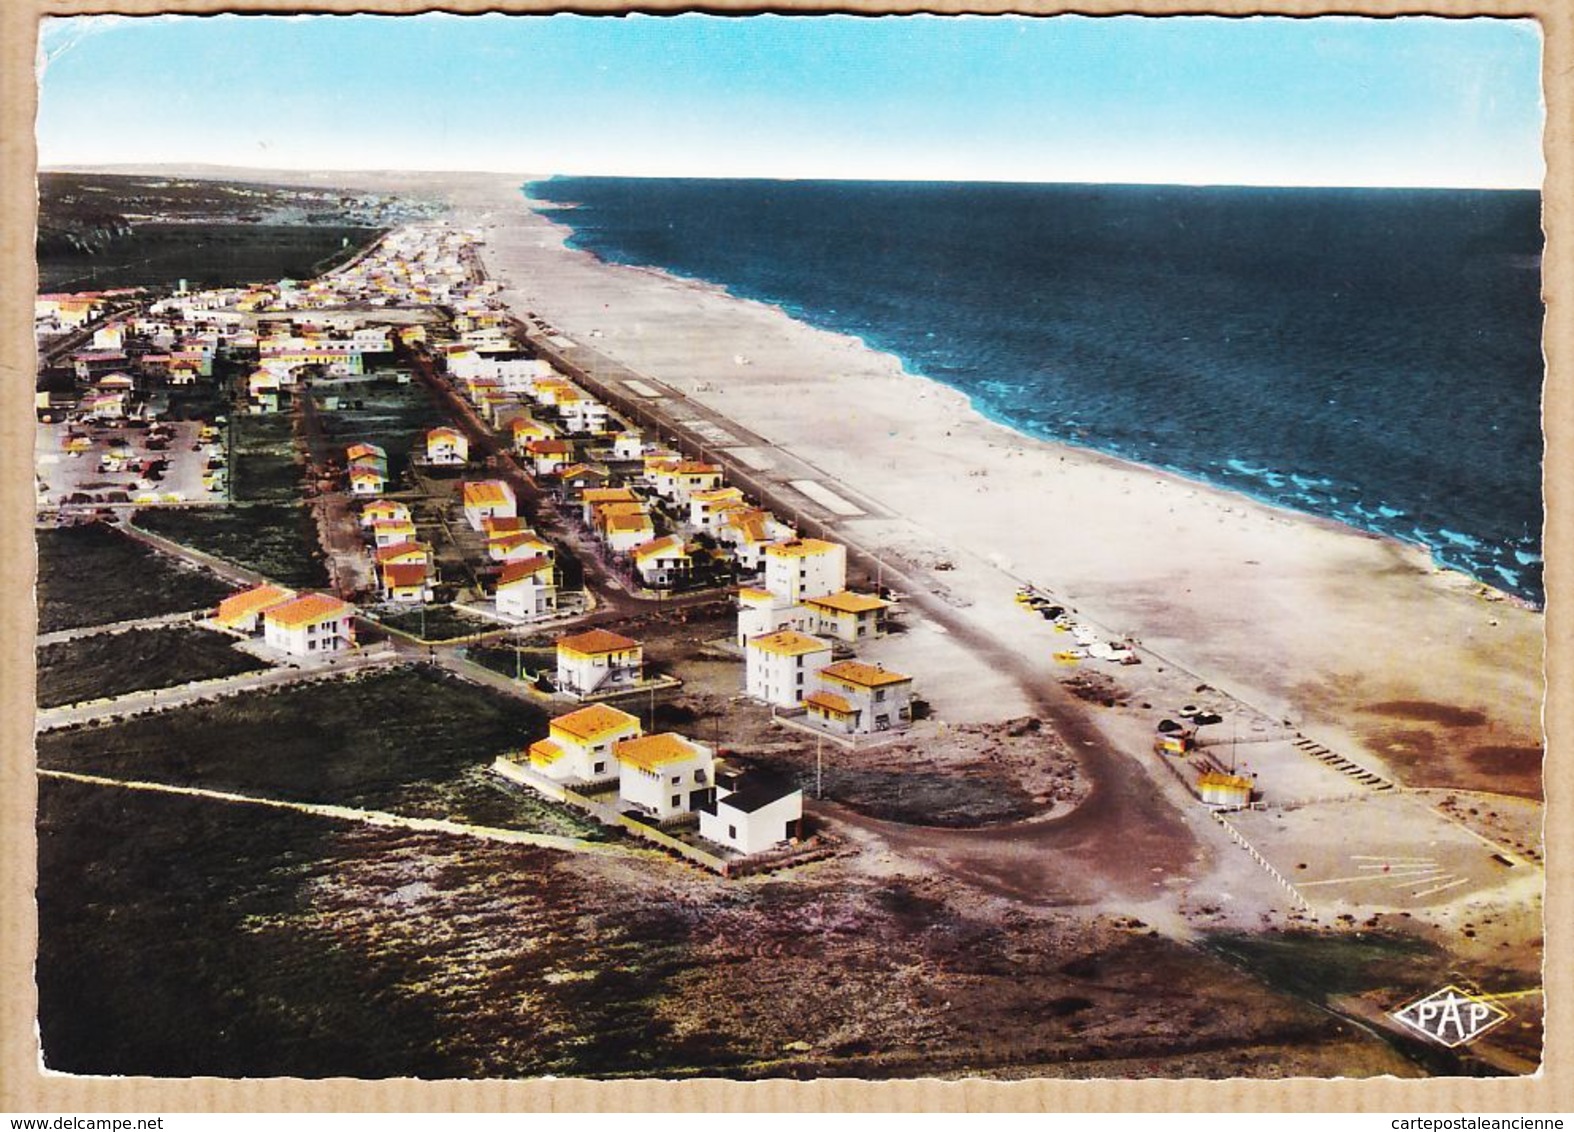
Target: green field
point(96, 575)
point(203, 254)
point(410, 740)
point(438, 623)
point(267, 464)
point(113, 664)
point(275, 539)
point(392, 416)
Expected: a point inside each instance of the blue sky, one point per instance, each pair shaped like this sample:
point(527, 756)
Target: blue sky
point(1196, 100)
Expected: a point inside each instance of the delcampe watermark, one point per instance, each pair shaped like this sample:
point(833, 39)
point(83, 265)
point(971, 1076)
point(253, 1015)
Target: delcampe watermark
point(1452, 1016)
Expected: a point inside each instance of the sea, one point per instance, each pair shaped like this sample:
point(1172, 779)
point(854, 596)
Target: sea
point(1367, 355)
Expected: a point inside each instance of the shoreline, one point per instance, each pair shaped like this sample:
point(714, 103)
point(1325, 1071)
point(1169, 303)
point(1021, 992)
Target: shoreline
point(1435, 549)
point(1489, 590)
point(1357, 634)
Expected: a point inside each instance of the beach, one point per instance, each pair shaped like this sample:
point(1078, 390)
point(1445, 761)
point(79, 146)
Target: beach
point(1357, 640)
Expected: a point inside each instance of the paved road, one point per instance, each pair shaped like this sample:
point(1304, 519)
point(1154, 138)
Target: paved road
point(64, 635)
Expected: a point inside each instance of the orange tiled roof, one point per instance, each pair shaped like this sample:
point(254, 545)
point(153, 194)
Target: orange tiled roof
point(596, 642)
point(248, 603)
point(829, 701)
point(788, 642)
point(652, 751)
point(857, 674)
point(524, 568)
point(848, 602)
point(593, 722)
point(800, 548)
point(308, 609)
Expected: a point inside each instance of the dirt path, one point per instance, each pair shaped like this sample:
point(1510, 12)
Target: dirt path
point(64, 635)
point(368, 817)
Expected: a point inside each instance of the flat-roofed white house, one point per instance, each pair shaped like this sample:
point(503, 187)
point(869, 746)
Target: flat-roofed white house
point(598, 661)
point(487, 499)
point(664, 775)
point(579, 746)
point(446, 445)
point(854, 698)
point(805, 567)
point(751, 812)
point(760, 612)
point(527, 589)
point(628, 446)
point(313, 624)
point(780, 667)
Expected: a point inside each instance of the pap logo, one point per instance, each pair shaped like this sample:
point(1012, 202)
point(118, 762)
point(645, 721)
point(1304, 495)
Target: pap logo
point(1451, 1016)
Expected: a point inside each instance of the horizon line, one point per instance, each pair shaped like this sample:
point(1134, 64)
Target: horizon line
point(535, 178)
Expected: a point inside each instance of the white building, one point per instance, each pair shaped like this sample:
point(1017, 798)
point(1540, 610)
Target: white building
point(447, 446)
point(664, 775)
point(579, 746)
point(662, 561)
point(751, 812)
point(311, 625)
point(855, 698)
point(527, 589)
point(487, 499)
point(598, 661)
point(780, 667)
point(805, 567)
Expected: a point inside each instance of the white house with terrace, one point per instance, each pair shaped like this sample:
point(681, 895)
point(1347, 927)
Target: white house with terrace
point(596, 662)
point(664, 775)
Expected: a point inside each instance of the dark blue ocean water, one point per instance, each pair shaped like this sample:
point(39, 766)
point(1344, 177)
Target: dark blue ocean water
point(1368, 355)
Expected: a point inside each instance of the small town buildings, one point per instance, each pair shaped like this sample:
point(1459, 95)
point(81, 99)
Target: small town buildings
point(749, 531)
point(404, 581)
point(780, 667)
point(707, 507)
point(661, 562)
point(383, 511)
point(751, 811)
point(392, 532)
point(855, 698)
point(524, 429)
point(597, 662)
point(242, 612)
point(579, 746)
point(404, 553)
point(367, 454)
point(447, 446)
point(516, 546)
point(678, 480)
point(665, 775)
point(628, 446)
point(548, 457)
point(1226, 791)
point(578, 477)
point(311, 625)
point(593, 498)
point(845, 615)
point(367, 480)
point(805, 567)
point(527, 589)
point(487, 499)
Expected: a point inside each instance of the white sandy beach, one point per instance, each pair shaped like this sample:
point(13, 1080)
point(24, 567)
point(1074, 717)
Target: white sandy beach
point(1358, 639)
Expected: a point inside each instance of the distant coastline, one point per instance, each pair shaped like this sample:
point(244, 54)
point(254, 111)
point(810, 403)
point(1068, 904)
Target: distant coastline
point(1503, 560)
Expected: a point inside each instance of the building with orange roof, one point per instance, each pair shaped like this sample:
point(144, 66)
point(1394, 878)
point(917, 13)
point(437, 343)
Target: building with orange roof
point(579, 746)
point(392, 532)
point(856, 698)
point(525, 429)
point(527, 589)
point(367, 479)
point(550, 455)
point(664, 775)
point(242, 612)
point(487, 499)
point(384, 510)
point(678, 480)
point(846, 615)
point(597, 662)
point(707, 507)
point(404, 581)
point(447, 446)
point(662, 562)
point(513, 546)
point(311, 625)
point(780, 667)
point(403, 553)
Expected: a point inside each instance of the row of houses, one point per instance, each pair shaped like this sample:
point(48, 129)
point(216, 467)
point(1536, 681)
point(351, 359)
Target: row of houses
point(308, 625)
point(667, 777)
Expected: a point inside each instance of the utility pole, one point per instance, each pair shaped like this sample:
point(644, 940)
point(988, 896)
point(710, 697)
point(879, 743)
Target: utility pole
point(819, 766)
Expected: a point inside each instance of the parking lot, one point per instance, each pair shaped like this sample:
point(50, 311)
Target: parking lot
point(108, 463)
